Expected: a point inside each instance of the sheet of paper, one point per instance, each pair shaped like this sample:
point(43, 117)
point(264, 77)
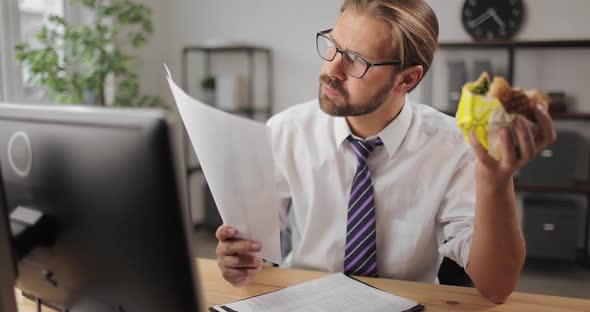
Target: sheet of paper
point(336, 292)
point(236, 156)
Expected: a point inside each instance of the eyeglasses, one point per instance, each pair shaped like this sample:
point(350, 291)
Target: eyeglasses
point(354, 65)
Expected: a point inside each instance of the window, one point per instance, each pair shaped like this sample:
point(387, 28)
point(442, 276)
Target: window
point(22, 19)
point(8, 71)
point(33, 14)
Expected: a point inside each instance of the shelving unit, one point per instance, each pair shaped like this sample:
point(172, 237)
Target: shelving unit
point(512, 47)
point(250, 52)
point(583, 188)
point(251, 111)
point(555, 116)
point(579, 188)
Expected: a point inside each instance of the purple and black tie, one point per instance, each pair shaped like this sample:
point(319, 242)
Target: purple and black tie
point(360, 257)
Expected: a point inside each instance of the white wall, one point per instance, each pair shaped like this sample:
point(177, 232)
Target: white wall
point(545, 20)
point(289, 27)
point(151, 57)
point(546, 69)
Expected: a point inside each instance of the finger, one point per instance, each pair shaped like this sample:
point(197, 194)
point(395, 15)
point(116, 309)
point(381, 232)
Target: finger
point(526, 142)
point(251, 275)
point(243, 246)
point(225, 232)
point(232, 247)
point(234, 275)
point(241, 277)
point(546, 135)
point(241, 261)
point(480, 152)
point(507, 149)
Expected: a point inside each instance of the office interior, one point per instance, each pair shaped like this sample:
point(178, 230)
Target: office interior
point(258, 58)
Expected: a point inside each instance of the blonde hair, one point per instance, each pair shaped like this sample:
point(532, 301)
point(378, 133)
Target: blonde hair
point(413, 24)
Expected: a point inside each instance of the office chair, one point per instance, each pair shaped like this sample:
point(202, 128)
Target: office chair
point(450, 273)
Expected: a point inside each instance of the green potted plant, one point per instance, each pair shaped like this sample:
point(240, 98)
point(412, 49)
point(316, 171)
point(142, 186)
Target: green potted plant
point(208, 87)
point(73, 61)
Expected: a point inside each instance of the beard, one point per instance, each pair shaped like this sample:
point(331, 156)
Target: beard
point(341, 107)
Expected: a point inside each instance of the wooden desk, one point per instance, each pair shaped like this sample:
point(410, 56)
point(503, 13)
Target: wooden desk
point(433, 297)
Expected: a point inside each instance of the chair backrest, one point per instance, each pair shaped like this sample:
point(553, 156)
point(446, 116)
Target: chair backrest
point(450, 273)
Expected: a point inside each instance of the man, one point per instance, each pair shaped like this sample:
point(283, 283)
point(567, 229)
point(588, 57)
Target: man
point(380, 186)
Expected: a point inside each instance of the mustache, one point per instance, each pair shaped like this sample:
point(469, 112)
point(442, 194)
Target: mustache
point(336, 85)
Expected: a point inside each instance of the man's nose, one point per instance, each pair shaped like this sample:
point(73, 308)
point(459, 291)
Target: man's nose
point(335, 69)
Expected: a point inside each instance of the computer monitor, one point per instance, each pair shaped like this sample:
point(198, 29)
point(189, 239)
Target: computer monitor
point(106, 180)
point(7, 265)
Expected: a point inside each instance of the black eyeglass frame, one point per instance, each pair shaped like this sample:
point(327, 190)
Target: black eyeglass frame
point(323, 34)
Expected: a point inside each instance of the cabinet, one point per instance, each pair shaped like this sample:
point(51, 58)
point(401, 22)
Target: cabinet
point(582, 188)
point(511, 72)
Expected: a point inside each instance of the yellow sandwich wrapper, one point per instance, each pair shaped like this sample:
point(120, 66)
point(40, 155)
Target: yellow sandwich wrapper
point(483, 115)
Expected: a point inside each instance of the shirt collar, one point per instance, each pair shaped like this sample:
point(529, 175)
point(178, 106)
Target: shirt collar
point(392, 135)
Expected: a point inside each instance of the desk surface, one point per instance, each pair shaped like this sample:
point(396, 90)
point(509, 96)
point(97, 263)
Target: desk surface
point(434, 297)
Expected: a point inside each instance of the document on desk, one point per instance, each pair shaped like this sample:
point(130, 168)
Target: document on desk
point(335, 292)
point(236, 157)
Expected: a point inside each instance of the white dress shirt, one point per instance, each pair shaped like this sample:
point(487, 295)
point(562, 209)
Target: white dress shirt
point(424, 184)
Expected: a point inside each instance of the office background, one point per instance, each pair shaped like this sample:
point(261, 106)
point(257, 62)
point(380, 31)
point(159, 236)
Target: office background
point(288, 29)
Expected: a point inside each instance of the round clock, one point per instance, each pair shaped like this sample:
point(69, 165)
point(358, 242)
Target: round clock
point(492, 19)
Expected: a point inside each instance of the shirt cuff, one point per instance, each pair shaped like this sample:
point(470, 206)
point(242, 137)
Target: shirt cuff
point(458, 247)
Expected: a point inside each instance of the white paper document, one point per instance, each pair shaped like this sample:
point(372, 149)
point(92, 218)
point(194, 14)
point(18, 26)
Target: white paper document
point(336, 292)
point(236, 156)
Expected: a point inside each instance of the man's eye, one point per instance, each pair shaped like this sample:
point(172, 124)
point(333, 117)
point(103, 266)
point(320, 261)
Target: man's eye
point(351, 57)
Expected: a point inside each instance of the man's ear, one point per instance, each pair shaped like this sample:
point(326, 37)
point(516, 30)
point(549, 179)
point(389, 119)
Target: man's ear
point(409, 78)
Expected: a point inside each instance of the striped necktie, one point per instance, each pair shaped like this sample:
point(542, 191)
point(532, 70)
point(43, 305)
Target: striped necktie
point(361, 239)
